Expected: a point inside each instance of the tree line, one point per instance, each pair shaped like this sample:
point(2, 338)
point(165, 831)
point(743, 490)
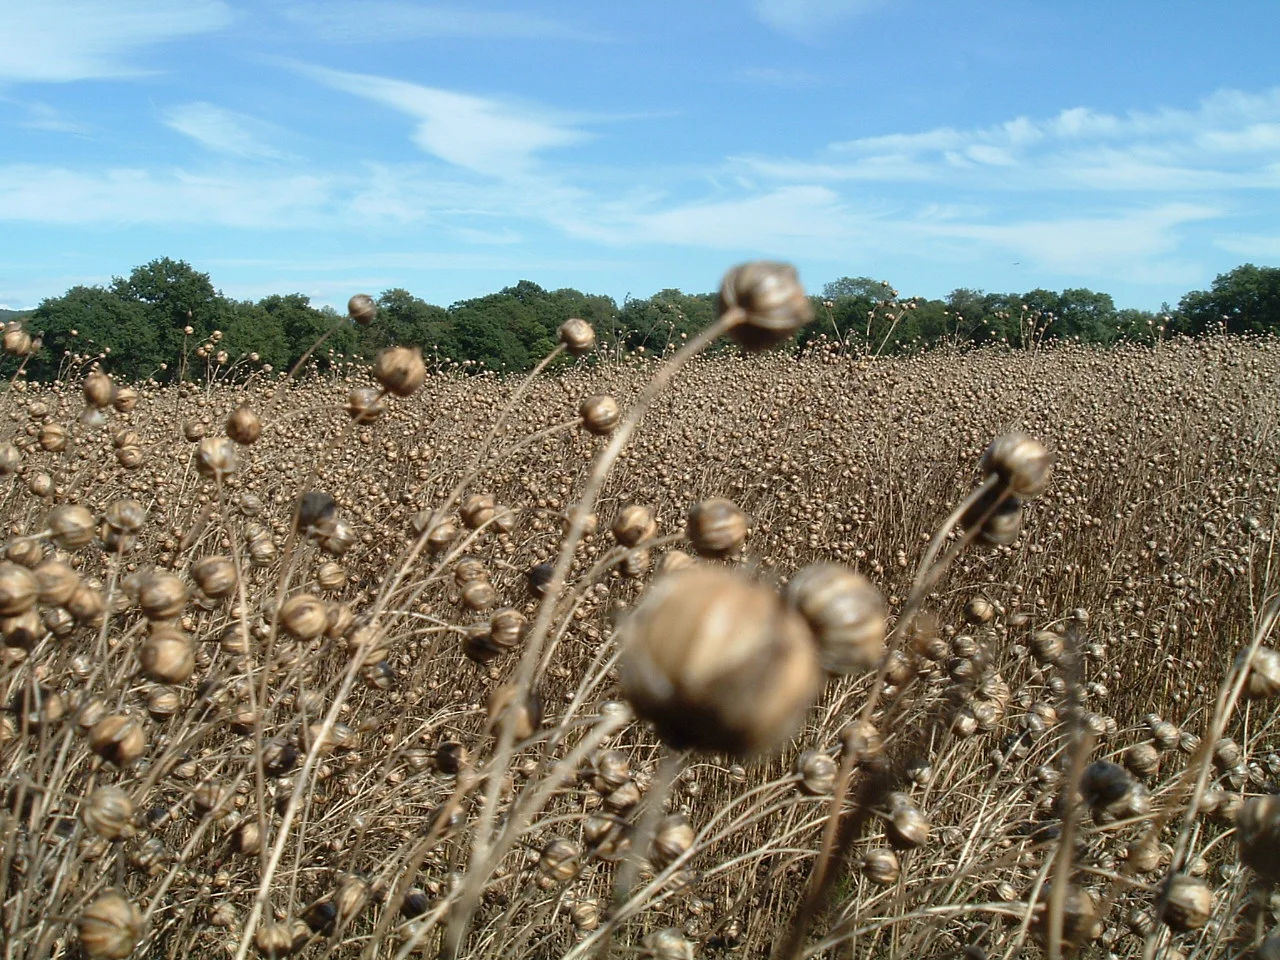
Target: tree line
point(155, 322)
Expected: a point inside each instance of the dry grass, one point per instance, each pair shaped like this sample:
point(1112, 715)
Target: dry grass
point(347, 768)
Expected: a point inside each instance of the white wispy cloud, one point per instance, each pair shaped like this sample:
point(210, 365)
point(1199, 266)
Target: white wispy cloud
point(41, 116)
point(63, 40)
point(806, 19)
point(361, 21)
point(224, 131)
point(483, 135)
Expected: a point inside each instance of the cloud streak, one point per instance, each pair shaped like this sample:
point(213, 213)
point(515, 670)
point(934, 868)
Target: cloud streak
point(807, 19)
point(224, 131)
point(344, 21)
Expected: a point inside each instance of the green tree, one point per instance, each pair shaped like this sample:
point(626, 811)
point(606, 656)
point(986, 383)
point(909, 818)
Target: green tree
point(1245, 300)
point(101, 320)
point(174, 296)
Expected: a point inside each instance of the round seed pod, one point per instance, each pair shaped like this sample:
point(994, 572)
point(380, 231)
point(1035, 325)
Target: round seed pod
point(673, 839)
point(469, 570)
point(193, 430)
point(109, 813)
point(478, 646)
point(477, 510)
point(364, 404)
point(479, 595)
point(19, 589)
point(524, 713)
point(538, 577)
point(99, 390)
point(623, 798)
point(280, 938)
point(1258, 835)
point(244, 426)
point(17, 342)
point(1165, 735)
point(53, 437)
point(1021, 462)
point(817, 772)
point(716, 527)
point(1264, 673)
point(1080, 923)
point(577, 336)
point(337, 538)
point(10, 459)
point(1105, 783)
point(25, 553)
point(600, 414)
point(86, 605)
point(400, 370)
point(633, 525)
point(441, 535)
point(844, 611)
point(109, 927)
point(979, 610)
point(56, 582)
point(560, 859)
point(70, 526)
point(507, 627)
point(126, 399)
point(1142, 759)
point(23, 631)
point(718, 662)
point(674, 560)
point(351, 897)
point(450, 757)
point(130, 457)
point(212, 799)
point(163, 702)
point(304, 617)
point(118, 738)
point(907, 827)
point(40, 484)
point(770, 300)
point(215, 576)
point(610, 769)
point(167, 655)
point(216, 458)
point(127, 516)
point(163, 597)
point(1226, 753)
point(1188, 903)
point(1144, 855)
point(1047, 646)
point(636, 563)
point(331, 576)
point(248, 837)
point(666, 944)
point(880, 866)
point(362, 309)
point(585, 915)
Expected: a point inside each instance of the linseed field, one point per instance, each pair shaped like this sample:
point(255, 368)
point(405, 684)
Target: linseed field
point(948, 655)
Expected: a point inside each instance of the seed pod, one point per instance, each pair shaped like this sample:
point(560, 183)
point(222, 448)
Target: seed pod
point(118, 738)
point(633, 525)
point(674, 560)
point(524, 713)
point(1047, 646)
point(1258, 835)
point(577, 336)
point(622, 799)
point(636, 563)
point(40, 484)
point(599, 413)
point(215, 576)
point(477, 510)
point(364, 404)
point(351, 897)
point(130, 457)
point(672, 840)
point(193, 430)
point(163, 597)
point(718, 662)
point(1264, 672)
point(479, 595)
point(666, 944)
point(248, 837)
point(126, 399)
point(18, 589)
point(1142, 759)
point(86, 605)
point(244, 426)
point(10, 459)
point(716, 527)
point(771, 303)
point(1226, 753)
point(1188, 903)
point(400, 370)
point(109, 927)
point(1104, 783)
point(1144, 855)
point(167, 655)
point(362, 309)
point(1021, 462)
point(99, 390)
point(507, 627)
point(279, 938)
point(216, 457)
point(450, 757)
point(304, 617)
point(817, 772)
point(979, 610)
point(17, 342)
point(880, 866)
point(331, 576)
point(478, 646)
point(23, 631)
point(844, 611)
point(1080, 923)
point(212, 799)
point(163, 702)
point(560, 859)
point(70, 526)
point(441, 536)
point(585, 915)
point(609, 770)
point(907, 827)
point(1165, 735)
point(108, 812)
point(53, 437)
point(127, 516)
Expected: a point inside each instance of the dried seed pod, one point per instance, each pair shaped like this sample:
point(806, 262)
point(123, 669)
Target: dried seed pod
point(599, 413)
point(523, 712)
point(585, 914)
point(768, 301)
point(633, 525)
point(108, 812)
point(1258, 835)
point(880, 866)
point(560, 859)
point(23, 631)
point(86, 605)
point(351, 897)
point(716, 527)
point(507, 627)
point(577, 336)
point(1226, 753)
point(16, 341)
point(623, 798)
point(212, 799)
point(53, 437)
point(70, 526)
point(1264, 672)
point(248, 837)
point(127, 516)
point(674, 560)
point(55, 582)
point(1080, 922)
point(907, 827)
point(216, 457)
point(26, 553)
point(167, 655)
point(193, 430)
point(610, 769)
point(304, 616)
point(162, 597)
point(673, 839)
point(109, 927)
point(99, 390)
point(163, 702)
point(979, 610)
point(1144, 855)
point(1188, 903)
point(667, 944)
point(10, 459)
point(1104, 783)
point(479, 595)
point(441, 536)
point(1021, 462)
point(1047, 646)
point(279, 938)
point(718, 662)
point(450, 757)
point(1142, 759)
point(362, 309)
point(19, 589)
point(844, 611)
point(636, 563)
point(477, 510)
point(996, 516)
point(126, 399)
point(118, 738)
point(215, 576)
point(1165, 735)
point(400, 370)
point(817, 773)
point(364, 404)
point(331, 576)
point(244, 426)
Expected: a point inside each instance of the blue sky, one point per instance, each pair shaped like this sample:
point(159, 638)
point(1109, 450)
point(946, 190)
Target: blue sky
point(332, 146)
